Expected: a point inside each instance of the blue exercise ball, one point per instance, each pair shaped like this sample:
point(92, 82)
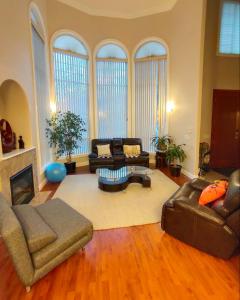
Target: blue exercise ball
point(55, 172)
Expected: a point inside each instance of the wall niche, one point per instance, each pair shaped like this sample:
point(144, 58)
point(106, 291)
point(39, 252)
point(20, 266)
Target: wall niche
point(14, 108)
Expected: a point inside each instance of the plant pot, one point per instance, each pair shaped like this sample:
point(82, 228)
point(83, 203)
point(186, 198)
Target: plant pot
point(70, 167)
point(175, 170)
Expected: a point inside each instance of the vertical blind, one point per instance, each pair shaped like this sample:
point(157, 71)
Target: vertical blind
point(71, 89)
point(229, 34)
point(40, 72)
point(150, 99)
point(112, 98)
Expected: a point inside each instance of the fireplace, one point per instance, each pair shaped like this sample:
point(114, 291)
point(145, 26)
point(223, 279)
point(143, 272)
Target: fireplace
point(22, 186)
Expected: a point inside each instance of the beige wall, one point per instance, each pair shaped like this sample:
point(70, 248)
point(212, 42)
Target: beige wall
point(16, 52)
point(181, 30)
point(220, 72)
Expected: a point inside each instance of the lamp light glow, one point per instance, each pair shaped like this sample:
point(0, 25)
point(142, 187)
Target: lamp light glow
point(170, 106)
point(53, 107)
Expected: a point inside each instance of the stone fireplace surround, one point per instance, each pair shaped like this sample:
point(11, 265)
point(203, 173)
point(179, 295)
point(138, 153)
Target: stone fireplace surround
point(13, 163)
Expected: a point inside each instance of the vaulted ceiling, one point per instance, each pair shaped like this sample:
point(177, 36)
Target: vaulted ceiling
point(127, 9)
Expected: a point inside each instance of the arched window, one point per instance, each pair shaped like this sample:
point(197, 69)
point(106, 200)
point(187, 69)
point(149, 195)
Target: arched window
point(71, 78)
point(41, 81)
point(150, 92)
point(112, 91)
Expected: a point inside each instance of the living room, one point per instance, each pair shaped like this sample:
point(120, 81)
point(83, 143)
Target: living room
point(112, 122)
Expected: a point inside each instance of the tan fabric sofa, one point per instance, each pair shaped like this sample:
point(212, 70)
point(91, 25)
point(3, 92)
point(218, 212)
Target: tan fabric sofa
point(40, 238)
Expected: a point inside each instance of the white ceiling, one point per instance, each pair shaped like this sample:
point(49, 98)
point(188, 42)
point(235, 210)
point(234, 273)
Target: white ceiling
point(127, 9)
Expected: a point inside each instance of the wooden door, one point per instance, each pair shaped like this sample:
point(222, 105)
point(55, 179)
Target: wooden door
point(225, 140)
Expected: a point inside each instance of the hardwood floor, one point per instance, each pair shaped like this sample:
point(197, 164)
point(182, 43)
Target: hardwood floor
point(135, 263)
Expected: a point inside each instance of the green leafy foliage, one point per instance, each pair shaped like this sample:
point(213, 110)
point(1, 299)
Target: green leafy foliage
point(175, 153)
point(65, 132)
point(161, 143)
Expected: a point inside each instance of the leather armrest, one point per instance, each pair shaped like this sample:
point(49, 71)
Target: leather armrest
point(144, 153)
point(200, 211)
point(92, 155)
point(199, 184)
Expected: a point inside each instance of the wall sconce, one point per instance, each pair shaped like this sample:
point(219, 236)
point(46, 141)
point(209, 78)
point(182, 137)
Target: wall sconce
point(53, 107)
point(170, 106)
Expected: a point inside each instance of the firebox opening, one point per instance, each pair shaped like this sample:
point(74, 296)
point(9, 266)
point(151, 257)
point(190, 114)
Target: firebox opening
point(22, 186)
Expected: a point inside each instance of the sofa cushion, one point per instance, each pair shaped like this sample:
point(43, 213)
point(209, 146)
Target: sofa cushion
point(38, 234)
point(108, 161)
point(56, 212)
point(104, 150)
point(136, 160)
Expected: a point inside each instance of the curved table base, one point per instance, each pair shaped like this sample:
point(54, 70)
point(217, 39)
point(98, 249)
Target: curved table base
point(121, 184)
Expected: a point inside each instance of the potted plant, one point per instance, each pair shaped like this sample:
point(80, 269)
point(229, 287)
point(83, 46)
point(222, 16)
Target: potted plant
point(65, 133)
point(175, 154)
point(161, 142)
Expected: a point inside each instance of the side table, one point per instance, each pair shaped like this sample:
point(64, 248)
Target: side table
point(160, 159)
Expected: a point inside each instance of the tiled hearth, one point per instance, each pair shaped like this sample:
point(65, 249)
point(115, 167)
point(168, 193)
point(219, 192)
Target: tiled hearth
point(14, 162)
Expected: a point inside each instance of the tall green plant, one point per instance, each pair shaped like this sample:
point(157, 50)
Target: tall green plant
point(175, 153)
point(65, 132)
point(161, 142)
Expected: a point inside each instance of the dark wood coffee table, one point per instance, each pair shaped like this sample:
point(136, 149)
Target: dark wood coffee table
point(115, 180)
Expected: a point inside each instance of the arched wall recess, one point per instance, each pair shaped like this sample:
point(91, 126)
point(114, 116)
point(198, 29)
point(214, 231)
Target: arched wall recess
point(14, 108)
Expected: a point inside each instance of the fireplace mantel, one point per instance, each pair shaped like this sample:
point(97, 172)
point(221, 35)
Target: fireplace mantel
point(12, 163)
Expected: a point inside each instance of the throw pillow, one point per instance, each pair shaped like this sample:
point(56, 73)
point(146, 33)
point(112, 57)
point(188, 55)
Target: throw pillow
point(104, 150)
point(131, 150)
point(213, 192)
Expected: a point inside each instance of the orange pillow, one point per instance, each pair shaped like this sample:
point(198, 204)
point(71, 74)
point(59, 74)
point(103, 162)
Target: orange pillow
point(213, 192)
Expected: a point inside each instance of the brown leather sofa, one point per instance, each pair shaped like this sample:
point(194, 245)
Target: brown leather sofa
point(118, 159)
point(215, 229)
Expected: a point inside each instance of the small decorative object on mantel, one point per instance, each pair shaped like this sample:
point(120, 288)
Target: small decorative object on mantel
point(21, 142)
point(8, 137)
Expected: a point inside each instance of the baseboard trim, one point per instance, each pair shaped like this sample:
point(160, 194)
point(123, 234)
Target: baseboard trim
point(82, 164)
point(42, 184)
point(188, 174)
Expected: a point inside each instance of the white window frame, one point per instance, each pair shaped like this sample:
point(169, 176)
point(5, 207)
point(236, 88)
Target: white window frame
point(219, 33)
point(129, 107)
point(133, 109)
point(90, 80)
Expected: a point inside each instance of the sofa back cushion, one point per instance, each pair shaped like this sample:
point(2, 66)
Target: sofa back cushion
point(96, 142)
point(14, 239)
point(232, 198)
point(37, 232)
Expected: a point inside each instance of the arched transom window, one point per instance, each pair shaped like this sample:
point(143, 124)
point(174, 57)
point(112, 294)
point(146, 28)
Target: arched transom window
point(112, 91)
point(150, 63)
point(71, 78)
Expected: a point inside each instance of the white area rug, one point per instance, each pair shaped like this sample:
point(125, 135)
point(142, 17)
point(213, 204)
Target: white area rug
point(134, 206)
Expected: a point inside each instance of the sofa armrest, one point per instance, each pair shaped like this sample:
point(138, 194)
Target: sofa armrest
point(199, 184)
point(199, 210)
point(144, 153)
point(92, 155)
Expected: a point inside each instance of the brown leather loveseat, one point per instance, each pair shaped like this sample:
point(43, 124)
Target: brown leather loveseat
point(117, 159)
point(216, 229)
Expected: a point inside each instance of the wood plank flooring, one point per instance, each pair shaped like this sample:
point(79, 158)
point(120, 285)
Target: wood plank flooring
point(135, 263)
